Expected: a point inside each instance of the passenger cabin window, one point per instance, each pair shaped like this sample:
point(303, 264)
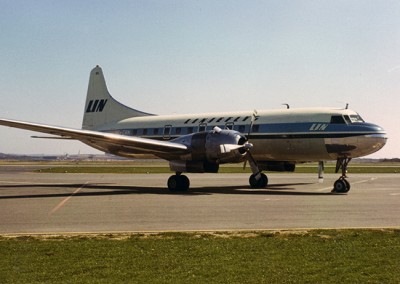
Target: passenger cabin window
point(167, 131)
point(337, 119)
point(246, 118)
point(256, 128)
point(202, 127)
point(126, 132)
point(187, 121)
point(195, 120)
point(211, 120)
point(219, 119)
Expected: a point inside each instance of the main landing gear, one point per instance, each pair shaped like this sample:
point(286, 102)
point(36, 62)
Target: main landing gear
point(261, 182)
point(342, 185)
point(178, 182)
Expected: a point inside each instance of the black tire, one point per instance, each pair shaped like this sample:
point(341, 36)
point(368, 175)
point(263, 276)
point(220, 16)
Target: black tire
point(341, 186)
point(178, 183)
point(347, 185)
point(260, 183)
point(184, 183)
point(173, 183)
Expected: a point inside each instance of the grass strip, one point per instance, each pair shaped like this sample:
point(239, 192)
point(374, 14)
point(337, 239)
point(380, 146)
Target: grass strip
point(316, 256)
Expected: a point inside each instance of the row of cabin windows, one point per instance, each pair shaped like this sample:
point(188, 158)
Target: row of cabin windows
point(220, 119)
point(169, 130)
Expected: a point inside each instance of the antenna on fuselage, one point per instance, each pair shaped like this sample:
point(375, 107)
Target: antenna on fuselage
point(347, 105)
point(287, 106)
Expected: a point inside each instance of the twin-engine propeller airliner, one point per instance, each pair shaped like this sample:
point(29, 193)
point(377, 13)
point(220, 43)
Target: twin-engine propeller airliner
point(270, 140)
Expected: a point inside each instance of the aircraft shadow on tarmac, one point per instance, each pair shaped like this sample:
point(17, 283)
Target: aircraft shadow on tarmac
point(104, 189)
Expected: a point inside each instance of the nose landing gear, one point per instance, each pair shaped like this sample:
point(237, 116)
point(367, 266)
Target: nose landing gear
point(342, 185)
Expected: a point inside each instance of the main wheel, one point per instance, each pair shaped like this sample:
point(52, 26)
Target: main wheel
point(260, 183)
point(173, 183)
point(178, 183)
point(341, 186)
point(347, 185)
point(185, 183)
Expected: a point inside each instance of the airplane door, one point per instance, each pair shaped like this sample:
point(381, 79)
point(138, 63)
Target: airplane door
point(167, 132)
point(202, 127)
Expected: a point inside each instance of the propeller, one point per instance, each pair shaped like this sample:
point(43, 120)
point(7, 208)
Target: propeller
point(226, 148)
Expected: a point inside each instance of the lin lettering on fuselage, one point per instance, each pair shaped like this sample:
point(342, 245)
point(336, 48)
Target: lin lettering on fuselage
point(96, 105)
point(318, 127)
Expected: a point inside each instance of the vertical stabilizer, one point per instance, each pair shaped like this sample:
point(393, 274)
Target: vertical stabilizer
point(101, 108)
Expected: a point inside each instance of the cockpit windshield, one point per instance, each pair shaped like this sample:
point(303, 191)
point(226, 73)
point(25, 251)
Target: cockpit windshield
point(346, 119)
point(355, 118)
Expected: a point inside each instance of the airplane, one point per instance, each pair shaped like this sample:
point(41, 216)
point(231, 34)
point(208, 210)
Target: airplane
point(268, 140)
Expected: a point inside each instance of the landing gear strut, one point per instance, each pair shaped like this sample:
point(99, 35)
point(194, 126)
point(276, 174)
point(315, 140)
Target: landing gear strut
point(342, 185)
point(178, 182)
point(257, 179)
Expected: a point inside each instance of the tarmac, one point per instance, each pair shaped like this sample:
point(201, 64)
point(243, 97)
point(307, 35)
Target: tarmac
point(41, 203)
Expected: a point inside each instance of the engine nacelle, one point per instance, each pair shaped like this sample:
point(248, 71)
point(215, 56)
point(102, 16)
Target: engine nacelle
point(209, 149)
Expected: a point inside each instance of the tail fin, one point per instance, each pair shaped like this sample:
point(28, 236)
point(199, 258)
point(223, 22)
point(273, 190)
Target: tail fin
point(101, 108)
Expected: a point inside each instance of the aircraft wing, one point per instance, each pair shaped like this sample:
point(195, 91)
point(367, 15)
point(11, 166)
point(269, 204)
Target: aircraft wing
point(108, 142)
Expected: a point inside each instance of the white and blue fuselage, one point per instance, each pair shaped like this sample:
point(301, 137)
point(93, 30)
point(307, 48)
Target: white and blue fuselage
point(311, 134)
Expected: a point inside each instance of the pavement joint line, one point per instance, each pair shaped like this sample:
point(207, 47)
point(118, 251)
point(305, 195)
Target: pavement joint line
point(65, 200)
point(356, 182)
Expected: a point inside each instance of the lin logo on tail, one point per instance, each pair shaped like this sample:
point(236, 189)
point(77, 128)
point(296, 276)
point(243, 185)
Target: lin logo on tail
point(96, 105)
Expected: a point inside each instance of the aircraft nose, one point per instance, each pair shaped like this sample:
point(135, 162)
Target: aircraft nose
point(376, 140)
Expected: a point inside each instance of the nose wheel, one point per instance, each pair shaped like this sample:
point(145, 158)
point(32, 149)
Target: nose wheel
point(342, 185)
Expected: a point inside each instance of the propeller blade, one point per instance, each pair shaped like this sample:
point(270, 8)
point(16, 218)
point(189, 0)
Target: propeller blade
point(253, 118)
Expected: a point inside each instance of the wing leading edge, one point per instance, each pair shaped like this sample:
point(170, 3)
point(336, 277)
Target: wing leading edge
point(107, 142)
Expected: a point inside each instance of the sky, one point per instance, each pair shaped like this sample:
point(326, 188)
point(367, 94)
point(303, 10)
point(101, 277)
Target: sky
point(176, 57)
